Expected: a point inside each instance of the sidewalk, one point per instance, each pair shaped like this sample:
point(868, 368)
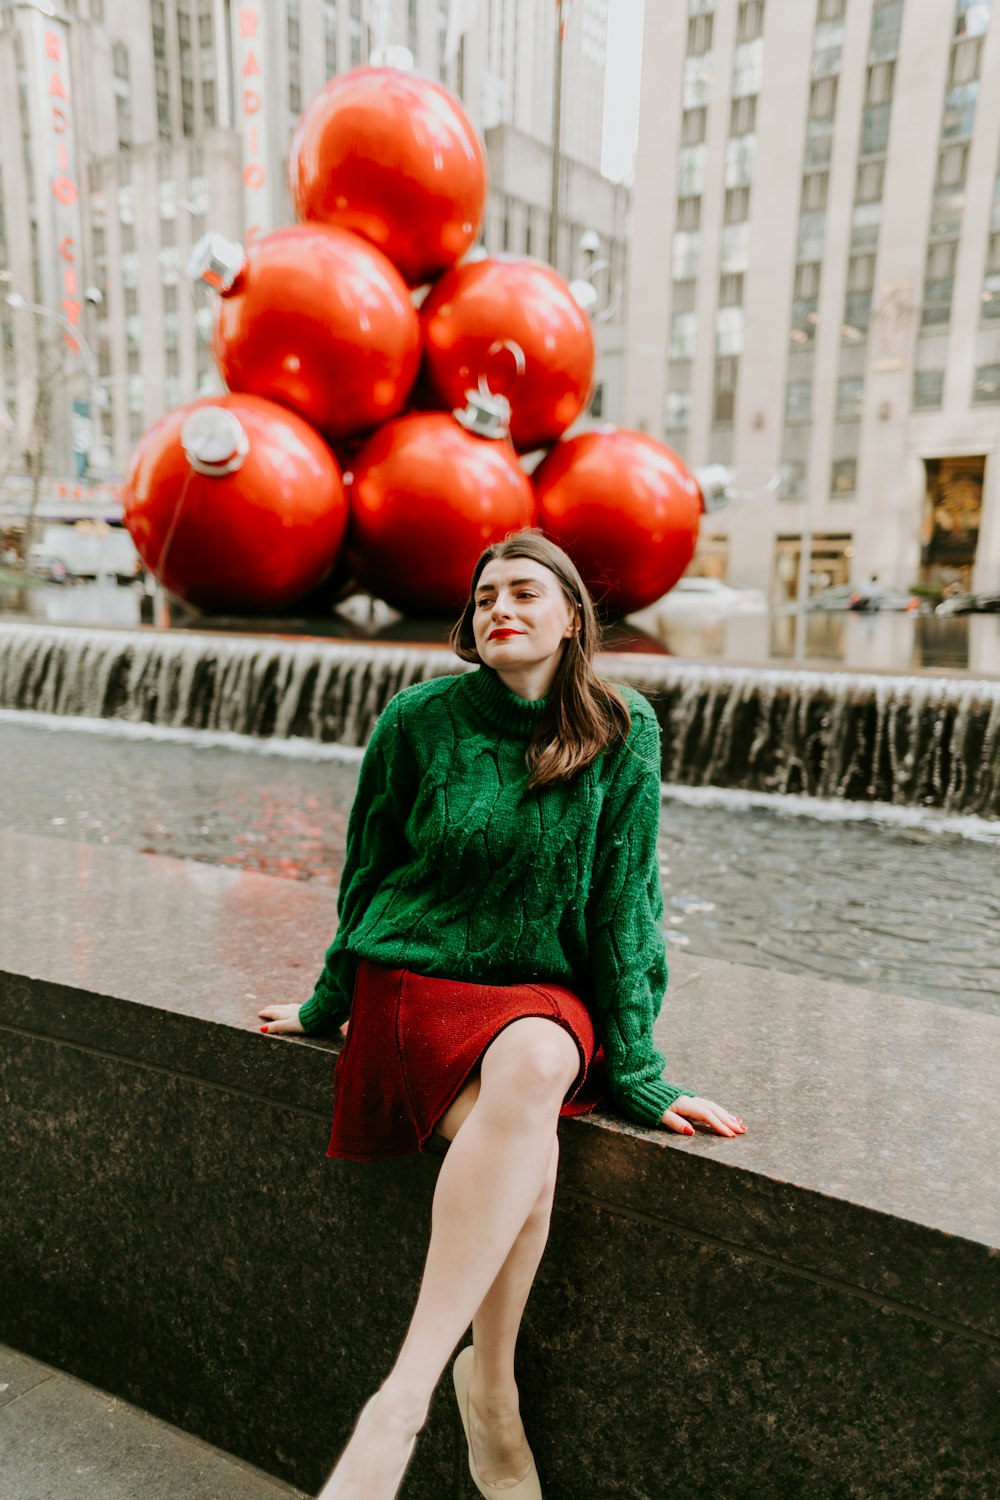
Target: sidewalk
point(61, 1439)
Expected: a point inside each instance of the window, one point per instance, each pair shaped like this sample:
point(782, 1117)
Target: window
point(947, 206)
point(807, 280)
point(693, 126)
point(726, 371)
point(793, 480)
point(928, 386)
point(330, 36)
point(688, 213)
point(878, 83)
point(814, 190)
point(687, 250)
point(737, 207)
point(683, 333)
point(991, 295)
point(735, 250)
point(743, 115)
point(875, 130)
point(812, 229)
point(699, 38)
point(730, 291)
point(750, 20)
point(798, 401)
point(748, 68)
point(678, 412)
point(697, 84)
point(941, 260)
point(937, 302)
point(819, 143)
point(959, 112)
point(986, 389)
point(682, 296)
point(843, 478)
point(691, 171)
point(865, 224)
point(966, 59)
point(857, 316)
point(823, 99)
point(741, 156)
point(861, 273)
point(729, 330)
point(887, 22)
point(805, 316)
point(871, 177)
point(831, 10)
point(850, 399)
point(828, 46)
point(952, 164)
point(973, 17)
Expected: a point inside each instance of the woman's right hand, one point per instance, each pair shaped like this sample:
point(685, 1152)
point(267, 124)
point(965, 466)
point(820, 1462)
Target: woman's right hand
point(282, 1018)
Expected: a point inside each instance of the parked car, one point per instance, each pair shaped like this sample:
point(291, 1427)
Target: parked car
point(864, 598)
point(709, 596)
point(970, 604)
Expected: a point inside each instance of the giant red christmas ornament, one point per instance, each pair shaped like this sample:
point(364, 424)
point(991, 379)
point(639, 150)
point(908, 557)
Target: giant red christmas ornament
point(625, 509)
point(482, 316)
point(393, 157)
point(235, 503)
point(316, 319)
point(426, 498)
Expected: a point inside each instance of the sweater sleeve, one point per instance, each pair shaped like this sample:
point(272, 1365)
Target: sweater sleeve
point(628, 961)
point(376, 845)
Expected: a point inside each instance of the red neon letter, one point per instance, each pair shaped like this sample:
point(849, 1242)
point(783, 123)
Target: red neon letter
point(248, 21)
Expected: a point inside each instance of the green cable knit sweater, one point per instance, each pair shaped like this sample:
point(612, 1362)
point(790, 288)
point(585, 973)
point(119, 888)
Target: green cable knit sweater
point(456, 870)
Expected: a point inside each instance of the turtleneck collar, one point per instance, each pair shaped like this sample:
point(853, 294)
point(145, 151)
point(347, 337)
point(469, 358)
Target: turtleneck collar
point(502, 708)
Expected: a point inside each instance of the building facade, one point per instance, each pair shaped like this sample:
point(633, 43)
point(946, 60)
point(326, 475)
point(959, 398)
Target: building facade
point(815, 281)
point(129, 127)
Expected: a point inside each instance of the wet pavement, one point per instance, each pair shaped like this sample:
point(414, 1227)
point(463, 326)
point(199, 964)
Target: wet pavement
point(910, 907)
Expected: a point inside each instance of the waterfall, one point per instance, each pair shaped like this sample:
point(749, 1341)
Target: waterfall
point(922, 741)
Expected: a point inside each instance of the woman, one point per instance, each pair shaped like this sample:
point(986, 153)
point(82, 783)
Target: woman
point(499, 920)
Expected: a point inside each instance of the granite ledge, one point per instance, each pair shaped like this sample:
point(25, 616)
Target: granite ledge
point(872, 1119)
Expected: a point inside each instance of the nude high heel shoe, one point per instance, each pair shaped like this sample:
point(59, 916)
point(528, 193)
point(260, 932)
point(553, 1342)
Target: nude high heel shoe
point(528, 1488)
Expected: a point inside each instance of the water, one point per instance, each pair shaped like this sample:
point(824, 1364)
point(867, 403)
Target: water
point(901, 900)
point(917, 740)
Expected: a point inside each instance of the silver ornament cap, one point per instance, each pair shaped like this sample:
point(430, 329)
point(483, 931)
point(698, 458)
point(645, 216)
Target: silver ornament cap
point(216, 261)
point(214, 441)
point(486, 414)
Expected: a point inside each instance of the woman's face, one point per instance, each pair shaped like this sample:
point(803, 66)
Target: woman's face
point(522, 617)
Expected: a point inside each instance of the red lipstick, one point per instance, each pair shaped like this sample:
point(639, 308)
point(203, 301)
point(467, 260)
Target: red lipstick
point(501, 635)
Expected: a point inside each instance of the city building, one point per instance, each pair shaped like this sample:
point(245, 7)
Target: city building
point(129, 127)
point(815, 281)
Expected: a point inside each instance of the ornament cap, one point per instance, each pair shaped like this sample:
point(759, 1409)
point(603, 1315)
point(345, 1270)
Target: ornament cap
point(216, 261)
point(214, 441)
point(485, 414)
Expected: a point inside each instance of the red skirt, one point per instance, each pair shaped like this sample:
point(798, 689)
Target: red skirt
point(413, 1043)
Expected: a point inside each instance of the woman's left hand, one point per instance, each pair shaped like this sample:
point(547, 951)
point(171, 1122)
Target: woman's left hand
point(704, 1112)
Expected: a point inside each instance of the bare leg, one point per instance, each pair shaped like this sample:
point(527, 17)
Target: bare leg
point(499, 1445)
point(493, 1176)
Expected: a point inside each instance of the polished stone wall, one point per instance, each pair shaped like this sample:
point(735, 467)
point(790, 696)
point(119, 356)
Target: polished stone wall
point(809, 1311)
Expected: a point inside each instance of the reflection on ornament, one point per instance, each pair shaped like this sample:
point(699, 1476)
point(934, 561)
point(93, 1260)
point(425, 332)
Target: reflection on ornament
point(625, 509)
point(235, 503)
point(394, 157)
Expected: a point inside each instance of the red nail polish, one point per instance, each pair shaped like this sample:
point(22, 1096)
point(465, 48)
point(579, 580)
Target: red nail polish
point(263, 1028)
point(689, 1130)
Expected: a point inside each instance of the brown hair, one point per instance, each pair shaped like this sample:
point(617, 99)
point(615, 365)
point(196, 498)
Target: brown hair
point(585, 714)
